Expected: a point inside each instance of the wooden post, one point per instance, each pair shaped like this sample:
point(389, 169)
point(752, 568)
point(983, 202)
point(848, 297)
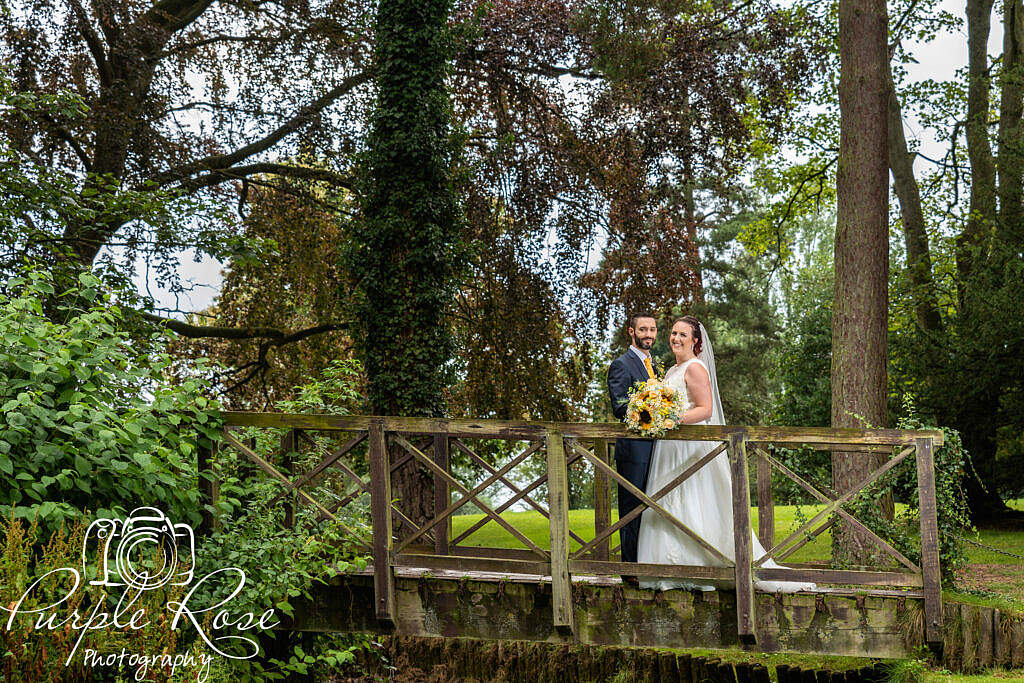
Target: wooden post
point(742, 532)
point(765, 504)
point(442, 497)
point(209, 487)
point(558, 509)
point(246, 468)
point(602, 501)
point(932, 578)
point(289, 442)
point(380, 514)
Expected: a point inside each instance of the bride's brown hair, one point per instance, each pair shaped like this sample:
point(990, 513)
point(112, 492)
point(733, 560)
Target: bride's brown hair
point(698, 340)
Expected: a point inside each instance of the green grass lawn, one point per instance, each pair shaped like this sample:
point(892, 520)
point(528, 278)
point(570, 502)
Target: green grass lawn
point(787, 519)
point(581, 522)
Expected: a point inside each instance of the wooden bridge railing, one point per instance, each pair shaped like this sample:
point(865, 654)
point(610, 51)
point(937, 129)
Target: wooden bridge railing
point(402, 535)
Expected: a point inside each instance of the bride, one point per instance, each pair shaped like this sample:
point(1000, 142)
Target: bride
point(704, 501)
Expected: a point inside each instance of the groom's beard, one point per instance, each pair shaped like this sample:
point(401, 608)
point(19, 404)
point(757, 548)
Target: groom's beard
point(643, 344)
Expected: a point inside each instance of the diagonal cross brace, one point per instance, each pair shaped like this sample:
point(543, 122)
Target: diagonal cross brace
point(638, 510)
point(833, 505)
point(272, 471)
point(468, 496)
point(515, 489)
point(570, 459)
point(651, 504)
point(321, 466)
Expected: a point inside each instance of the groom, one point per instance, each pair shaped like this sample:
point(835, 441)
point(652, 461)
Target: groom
point(632, 456)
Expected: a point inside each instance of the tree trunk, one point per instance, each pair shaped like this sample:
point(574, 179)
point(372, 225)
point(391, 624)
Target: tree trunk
point(1011, 161)
point(860, 307)
point(915, 235)
point(970, 243)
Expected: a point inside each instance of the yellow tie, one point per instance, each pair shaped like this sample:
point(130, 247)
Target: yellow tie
point(647, 364)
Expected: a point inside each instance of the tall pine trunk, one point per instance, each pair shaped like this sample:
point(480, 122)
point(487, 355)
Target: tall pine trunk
point(860, 307)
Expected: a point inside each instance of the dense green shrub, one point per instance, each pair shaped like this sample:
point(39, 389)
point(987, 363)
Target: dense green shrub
point(88, 421)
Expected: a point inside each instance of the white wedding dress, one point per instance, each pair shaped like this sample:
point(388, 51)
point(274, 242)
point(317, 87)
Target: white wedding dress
point(703, 502)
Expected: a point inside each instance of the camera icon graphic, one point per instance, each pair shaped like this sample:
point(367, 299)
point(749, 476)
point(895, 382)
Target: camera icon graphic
point(144, 551)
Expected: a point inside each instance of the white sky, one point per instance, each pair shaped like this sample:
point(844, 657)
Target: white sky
point(938, 59)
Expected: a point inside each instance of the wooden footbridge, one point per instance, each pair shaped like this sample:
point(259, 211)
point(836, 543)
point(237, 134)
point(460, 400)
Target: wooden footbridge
point(425, 582)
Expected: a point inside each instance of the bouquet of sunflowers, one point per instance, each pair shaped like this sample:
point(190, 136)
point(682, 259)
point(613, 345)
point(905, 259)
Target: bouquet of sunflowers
point(653, 408)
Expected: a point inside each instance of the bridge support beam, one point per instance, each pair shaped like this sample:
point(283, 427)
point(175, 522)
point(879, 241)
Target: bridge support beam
point(929, 545)
point(741, 534)
point(558, 515)
point(380, 514)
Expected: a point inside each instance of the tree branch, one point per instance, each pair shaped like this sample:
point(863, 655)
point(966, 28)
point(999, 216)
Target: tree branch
point(271, 336)
point(184, 47)
point(241, 172)
point(65, 135)
point(106, 75)
point(173, 15)
point(219, 162)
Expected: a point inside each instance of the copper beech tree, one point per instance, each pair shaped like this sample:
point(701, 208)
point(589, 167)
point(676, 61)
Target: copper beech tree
point(585, 126)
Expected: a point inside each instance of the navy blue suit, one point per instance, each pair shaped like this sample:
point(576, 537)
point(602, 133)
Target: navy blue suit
point(632, 456)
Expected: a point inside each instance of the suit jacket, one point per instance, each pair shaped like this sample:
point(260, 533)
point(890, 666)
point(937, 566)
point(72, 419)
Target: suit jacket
point(625, 371)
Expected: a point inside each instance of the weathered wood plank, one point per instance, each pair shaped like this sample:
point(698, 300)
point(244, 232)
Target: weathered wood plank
point(581, 430)
point(472, 564)
point(558, 511)
point(209, 487)
point(493, 553)
point(289, 443)
point(602, 501)
point(741, 539)
point(841, 576)
point(668, 571)
point(765, 504)
point(442, 494)
point(380, 513)
point(929, 543)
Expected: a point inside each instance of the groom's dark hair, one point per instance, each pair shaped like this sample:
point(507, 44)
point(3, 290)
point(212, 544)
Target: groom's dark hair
point(640, 314)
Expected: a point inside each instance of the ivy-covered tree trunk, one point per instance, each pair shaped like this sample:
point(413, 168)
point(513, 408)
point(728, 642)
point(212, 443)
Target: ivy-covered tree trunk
point(403, 254)
point(860, 307)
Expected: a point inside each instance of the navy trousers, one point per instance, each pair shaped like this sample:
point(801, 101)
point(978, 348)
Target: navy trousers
point(633, 467)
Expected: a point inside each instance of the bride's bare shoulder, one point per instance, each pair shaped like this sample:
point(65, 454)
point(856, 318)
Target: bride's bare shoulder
point(697, 371)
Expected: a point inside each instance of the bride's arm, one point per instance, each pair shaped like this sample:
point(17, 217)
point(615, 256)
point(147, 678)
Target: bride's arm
point(698, 385)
